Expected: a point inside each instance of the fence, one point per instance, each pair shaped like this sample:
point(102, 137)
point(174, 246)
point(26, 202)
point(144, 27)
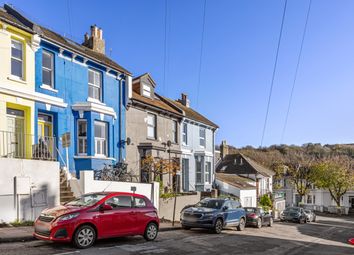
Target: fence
point(27, 146)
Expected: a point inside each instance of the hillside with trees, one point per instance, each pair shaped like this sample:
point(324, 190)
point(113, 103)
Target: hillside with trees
point(329, 167)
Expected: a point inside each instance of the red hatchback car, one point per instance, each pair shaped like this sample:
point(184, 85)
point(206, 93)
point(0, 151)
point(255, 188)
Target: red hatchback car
point(96, 216)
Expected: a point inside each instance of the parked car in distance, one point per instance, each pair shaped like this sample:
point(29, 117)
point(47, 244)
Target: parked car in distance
point(215, 214)
point(257, 217)
point(294, 214)
point(310, 215)
point(96, 216)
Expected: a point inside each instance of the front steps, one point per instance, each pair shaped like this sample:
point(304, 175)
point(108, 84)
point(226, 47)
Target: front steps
point(66, 194)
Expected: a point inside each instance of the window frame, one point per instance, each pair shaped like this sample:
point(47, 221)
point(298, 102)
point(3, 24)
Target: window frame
point(123, 207)
point(84, 138)
point(174, 131)
point(146, 90)
point(100, 87)
point(51, 54)
point(202, 138)
point(207, 172)
point(200, 162)
point(134, 203)
point(20, 42)
point(185, 133)
point(154, 126)
point(100, 139)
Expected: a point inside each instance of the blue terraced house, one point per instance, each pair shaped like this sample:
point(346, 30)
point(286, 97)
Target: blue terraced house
point(87, 96)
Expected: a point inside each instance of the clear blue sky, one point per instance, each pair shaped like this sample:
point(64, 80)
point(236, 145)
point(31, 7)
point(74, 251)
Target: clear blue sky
point(239, 51)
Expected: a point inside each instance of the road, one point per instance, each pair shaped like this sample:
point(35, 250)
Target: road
point(327, 236)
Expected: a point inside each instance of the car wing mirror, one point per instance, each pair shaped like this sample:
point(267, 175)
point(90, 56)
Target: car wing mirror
point(225, 208)
point(105, 207)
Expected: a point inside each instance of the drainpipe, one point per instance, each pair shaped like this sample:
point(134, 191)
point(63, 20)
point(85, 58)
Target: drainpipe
point(120, 119)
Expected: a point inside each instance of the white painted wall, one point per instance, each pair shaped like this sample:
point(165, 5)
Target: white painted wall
point(88, 184)
point(39, 185)
point(242, 194)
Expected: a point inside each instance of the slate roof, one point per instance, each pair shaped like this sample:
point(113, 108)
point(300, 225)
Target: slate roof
point(155, 102)
point(231, 164)
point(191, 114)
point(54, 37)
point(235, 180)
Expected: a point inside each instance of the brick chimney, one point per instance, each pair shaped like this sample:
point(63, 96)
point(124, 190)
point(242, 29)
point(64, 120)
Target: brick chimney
point(95, 40)
point(224, 149)
point(184, 100)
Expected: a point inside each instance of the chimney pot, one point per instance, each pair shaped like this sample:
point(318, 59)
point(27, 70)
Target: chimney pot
point(184, 99)
point(95, 41)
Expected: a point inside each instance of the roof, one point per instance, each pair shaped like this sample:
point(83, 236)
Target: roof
point(23, 22)
point(192, 114)
point(156, 102)
point(235, 180)
point(231, 164)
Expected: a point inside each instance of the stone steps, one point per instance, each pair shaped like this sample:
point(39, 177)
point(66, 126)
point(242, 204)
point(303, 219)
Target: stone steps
point(66, 194)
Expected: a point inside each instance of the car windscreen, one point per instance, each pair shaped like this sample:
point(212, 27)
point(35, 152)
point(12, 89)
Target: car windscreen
point(87, 200)
point(212, 203)
point(307, 211)
point(294, 209)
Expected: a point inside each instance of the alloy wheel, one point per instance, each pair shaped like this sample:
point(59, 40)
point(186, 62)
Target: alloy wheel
point(218, 226)
point(259, 223)
point(151, 232)
point(85, 237)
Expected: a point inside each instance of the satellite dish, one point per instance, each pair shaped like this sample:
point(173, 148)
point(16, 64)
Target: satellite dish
point(128, 141)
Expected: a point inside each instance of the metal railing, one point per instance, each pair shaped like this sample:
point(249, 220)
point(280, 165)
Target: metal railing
point(27, 146)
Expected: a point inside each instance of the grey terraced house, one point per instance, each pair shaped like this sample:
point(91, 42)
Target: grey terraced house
point(153, 128)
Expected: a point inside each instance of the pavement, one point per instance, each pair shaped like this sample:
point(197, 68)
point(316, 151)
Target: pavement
point(24, 234)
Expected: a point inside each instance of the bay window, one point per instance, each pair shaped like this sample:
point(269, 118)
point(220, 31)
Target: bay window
point(82, 137)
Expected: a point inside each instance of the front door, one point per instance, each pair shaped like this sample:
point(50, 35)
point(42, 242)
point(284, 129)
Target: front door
point(351, 203)
point(16, 133)
point(45, 135)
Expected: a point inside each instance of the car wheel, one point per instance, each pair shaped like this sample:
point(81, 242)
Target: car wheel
point(185, 227)
point(314, 219)
point(241, 225)
point(84, 237)
point(218, 226)
point(151, 232)
point(259, 223)
point(270, 222)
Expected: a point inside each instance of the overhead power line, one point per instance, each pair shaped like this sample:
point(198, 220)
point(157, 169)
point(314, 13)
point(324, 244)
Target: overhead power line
point(165, 50)
point(201, 53)
point(274, 71)
point(296, 71)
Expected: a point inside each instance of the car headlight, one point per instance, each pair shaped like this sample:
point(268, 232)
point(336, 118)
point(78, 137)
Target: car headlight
point(68, 216)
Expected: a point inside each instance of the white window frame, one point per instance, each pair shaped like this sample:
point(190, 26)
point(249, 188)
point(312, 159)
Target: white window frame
point(202, 138)
point(83, 138)
point(95, 85)
point(207, 172)
point(146, 90)
point(154, 126)
point(13, 40)
point(48, 53)
point(199, 160)
point(99, 141)
point(185, 133)
point(174, 131)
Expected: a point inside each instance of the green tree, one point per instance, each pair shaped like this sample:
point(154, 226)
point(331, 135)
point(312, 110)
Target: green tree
point(266, 202)
point(336, 175)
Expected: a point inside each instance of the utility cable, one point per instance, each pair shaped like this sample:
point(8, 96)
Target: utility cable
point(296, 71)
point(274, 71)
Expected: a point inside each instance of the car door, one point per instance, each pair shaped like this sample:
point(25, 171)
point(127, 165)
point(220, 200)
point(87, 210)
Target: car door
point(124, 216)
point(104, 221)
point(239, 211)
point(232, 213)
point(263, 216)
point(142, 213)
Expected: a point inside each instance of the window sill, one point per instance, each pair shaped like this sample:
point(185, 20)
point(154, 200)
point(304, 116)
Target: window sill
point(92, 157)
point(47, 87)
point(151, 139)
point(96, 101)
point(17, 79)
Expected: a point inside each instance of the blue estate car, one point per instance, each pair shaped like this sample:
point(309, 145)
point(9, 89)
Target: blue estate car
point(215, 214)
